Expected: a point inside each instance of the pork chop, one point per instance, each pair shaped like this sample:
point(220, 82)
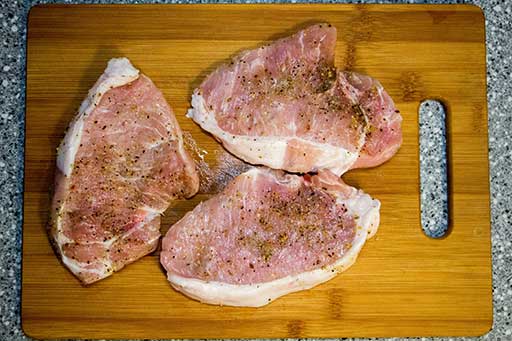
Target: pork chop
point(285, 105)
point(266, 235)
point(119, 166)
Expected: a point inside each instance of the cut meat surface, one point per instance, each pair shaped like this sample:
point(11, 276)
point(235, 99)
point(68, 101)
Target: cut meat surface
point(268, 234)
point(119, 166)
point(285, 105)
point(383, 131)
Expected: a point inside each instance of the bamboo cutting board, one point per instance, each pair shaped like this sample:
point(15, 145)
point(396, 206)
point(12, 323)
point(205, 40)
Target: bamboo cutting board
point(404, 283)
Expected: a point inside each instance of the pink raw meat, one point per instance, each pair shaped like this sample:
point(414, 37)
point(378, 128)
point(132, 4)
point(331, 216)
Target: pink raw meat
point(119, 167)
point(285, 105)
point(268, 234)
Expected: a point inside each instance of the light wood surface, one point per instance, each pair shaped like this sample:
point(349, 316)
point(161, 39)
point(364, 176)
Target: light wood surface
point(404, 283)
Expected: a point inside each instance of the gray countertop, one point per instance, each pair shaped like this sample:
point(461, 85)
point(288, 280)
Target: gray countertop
point(13, 14)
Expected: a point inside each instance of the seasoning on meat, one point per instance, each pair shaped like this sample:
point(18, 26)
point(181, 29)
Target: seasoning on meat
point(268, 234)
point(119, 166)
point(284, 105)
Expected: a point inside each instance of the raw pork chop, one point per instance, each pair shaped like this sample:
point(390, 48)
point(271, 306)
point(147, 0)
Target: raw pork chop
point(285, 105)
point(119, 166)
point(266, 235)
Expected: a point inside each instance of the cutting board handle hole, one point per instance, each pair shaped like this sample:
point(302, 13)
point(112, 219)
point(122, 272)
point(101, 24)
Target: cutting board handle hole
point(433, 169)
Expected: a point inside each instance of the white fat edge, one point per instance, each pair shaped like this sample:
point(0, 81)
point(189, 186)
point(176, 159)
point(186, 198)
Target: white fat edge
point(257, 295)
point(119, 72)
point(366, 211)
point(272, 149)
point(248, 295)
point(260, 294)
point(77, 267)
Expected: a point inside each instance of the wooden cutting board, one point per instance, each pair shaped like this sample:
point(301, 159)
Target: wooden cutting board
point(404, 283)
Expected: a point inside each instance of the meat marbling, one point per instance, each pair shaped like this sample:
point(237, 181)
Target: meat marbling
point(268, 234)
point(284, 105)
point(119, 166)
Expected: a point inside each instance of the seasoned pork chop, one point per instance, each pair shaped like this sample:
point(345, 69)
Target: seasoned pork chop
point(119, 167)
point(266, 235)
point(285, 105)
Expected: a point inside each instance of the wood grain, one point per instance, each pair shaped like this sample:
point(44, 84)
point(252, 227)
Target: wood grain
point(404, 284)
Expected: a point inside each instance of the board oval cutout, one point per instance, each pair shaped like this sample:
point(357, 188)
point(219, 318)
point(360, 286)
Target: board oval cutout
point(433, 169)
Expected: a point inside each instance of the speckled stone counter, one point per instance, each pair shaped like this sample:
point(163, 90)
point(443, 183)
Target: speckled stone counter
point(13, 14)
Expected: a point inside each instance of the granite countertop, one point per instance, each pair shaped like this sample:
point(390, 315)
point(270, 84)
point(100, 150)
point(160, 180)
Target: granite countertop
point(13, 15)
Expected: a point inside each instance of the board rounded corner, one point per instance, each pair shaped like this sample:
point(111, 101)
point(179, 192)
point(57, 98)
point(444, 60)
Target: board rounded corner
point(28, 330)
point(483, 329)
